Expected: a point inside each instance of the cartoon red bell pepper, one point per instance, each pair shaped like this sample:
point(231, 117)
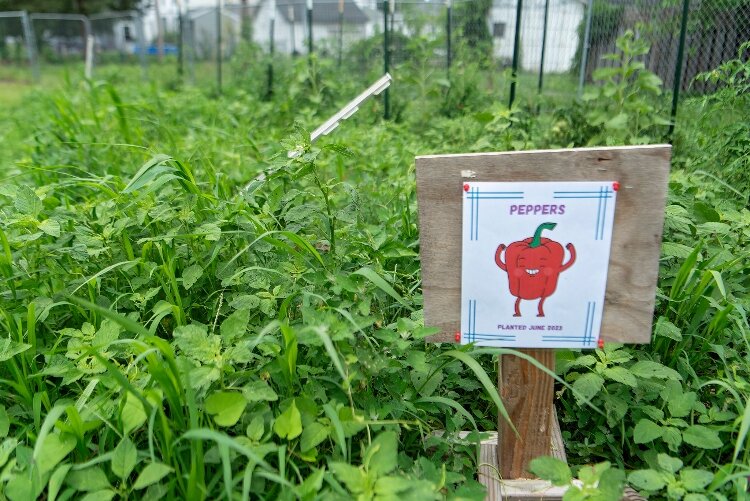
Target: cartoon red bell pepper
point(533, 265)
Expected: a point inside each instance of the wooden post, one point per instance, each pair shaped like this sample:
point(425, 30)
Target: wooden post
point(640, 174)
point(528, 395)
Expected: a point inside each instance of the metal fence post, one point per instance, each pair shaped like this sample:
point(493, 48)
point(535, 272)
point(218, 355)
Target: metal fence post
point(386, 60)
point(272, 25)
point(448, 35)
point(516, 47)
point(218, 44)
point(141, 41)
point(586, 46)
point(28, 34)
point(309, 27)
point(678, 66)
point(341, 31)
point(180, 43)
point(544, 46)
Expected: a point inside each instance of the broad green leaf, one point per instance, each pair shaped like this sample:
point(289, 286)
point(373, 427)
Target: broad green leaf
point(669, 463)
point(665, 328)
point(288, 424)
point(55, 447)
point(56, 481)
point(611, 484)
point(255, 429)
point(88, 479)
point(695, 480)
point(681, 405)
point(151, 474)
point(648, 480)
point(390, 487)
point(226, 407)
point(647, 369)
point(621, 375)
point(10, 348)
point(701, 436)
point(552, 469)
point(382, 454)
point(351, 476)
point(672, 249)
point(313, 434)
point(645, 431)
point(210, 231)
point(50, 227)
point(124, 458)
point(234, 327)
point(6, 448)
point(256, 391)
point(133, 414)
point(27, 202)
point(193, 340)
point(672, 437)
point(312, 484)
point(24, 486)
point(190, 275)
point(587, 386)
point(103, 495)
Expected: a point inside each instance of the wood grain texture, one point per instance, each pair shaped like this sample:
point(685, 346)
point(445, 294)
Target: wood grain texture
point(642, 172)
point(504, 489)
point(528, 395)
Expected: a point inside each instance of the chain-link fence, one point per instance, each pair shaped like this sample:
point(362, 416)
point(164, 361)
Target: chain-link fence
point(551, 47)
point(119, 39)
point(17, 49)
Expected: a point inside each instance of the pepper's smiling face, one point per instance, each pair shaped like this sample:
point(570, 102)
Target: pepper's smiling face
point(533, 263)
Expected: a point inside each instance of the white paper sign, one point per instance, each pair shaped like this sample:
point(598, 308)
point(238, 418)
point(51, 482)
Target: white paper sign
point(534, 262)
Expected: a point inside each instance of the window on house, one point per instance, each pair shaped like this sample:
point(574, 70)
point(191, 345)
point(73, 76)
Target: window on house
point(127, 34)
point(498, 30)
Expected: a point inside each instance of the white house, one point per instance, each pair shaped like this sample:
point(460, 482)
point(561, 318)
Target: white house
point(290, 26)
point(562, 36)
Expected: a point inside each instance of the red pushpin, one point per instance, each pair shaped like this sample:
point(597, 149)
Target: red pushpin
point(601, 344)
point(466, 187)
point(615, 186)
point(458, 337)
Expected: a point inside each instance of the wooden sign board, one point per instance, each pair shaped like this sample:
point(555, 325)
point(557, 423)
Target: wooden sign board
point(641, 173)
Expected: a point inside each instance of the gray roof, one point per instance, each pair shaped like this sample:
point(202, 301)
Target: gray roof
point(323, 12)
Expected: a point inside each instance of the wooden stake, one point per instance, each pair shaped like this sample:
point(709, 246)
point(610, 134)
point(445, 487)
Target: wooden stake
point(528, 395)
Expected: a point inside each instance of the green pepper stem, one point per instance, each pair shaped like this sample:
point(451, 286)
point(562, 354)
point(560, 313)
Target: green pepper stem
point(537, 240)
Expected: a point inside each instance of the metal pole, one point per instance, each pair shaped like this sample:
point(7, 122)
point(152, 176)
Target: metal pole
point(271, 48)
point(218, 44)
point(516, 46)
point(180, 45)
point(341, 30)
point(544, 45)
point(448, 35)
point(30, 37)
point(141, 37)
point(586, 46)
point(89, 64)
point(309, 27)
point(386, 61)
point(678, 66)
